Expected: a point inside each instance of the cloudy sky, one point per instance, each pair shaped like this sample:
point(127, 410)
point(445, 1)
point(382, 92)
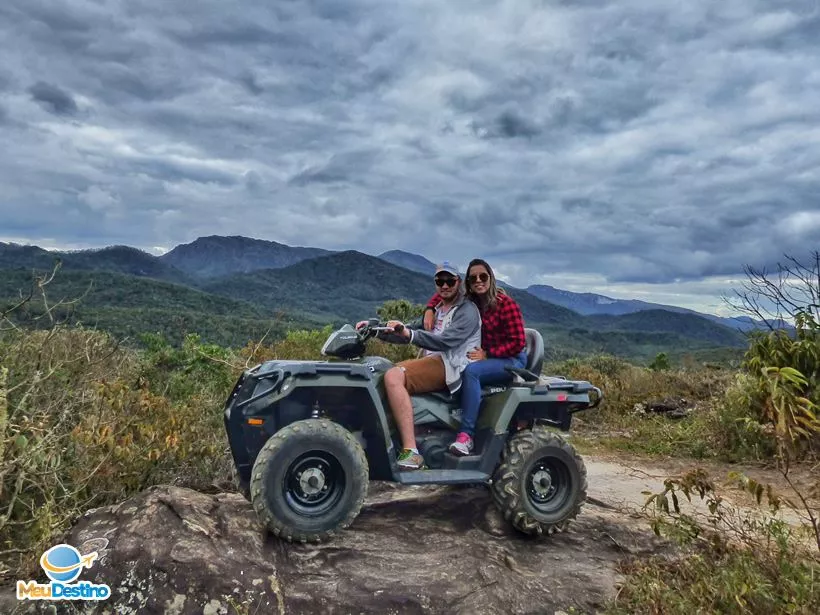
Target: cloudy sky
point(639, 149)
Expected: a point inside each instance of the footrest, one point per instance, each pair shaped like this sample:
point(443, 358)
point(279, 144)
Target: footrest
point(442, 477)
point(461, 462)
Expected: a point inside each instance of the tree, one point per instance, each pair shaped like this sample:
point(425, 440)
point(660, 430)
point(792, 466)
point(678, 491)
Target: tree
point(400, 309)
point(781, 296)
point(660, 362)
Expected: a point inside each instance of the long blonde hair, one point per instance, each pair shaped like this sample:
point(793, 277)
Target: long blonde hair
point(493, 290)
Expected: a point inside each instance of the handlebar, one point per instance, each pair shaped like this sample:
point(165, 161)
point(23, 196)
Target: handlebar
point(367, 329)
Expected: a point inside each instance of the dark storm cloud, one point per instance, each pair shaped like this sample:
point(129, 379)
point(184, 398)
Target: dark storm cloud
point(53, 98)
point(623, 142)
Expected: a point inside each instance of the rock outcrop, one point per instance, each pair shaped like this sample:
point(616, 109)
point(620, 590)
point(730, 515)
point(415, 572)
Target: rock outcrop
point(411, 550)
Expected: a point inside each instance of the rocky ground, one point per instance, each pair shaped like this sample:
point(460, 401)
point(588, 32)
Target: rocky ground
point(411, 550)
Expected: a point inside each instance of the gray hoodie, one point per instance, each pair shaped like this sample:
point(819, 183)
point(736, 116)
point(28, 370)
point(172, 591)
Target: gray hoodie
point(461, 332)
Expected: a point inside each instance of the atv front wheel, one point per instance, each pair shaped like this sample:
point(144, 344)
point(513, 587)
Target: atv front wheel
point(240, 486)
point(541, 483)
point(309, 480)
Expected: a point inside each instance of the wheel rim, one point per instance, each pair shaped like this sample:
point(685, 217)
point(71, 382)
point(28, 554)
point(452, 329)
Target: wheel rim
point(548, 485)
point(314, 483)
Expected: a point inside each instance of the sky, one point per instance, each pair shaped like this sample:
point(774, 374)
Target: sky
point(636, 149)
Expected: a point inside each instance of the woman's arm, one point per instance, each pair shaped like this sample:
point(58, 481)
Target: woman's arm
point(430, 312)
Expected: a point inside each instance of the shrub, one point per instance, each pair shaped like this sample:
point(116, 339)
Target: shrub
point(745, 561)
point(401, 310)
point(660, 362)
point(89, 423)
point(737, 434)
point(737, 561)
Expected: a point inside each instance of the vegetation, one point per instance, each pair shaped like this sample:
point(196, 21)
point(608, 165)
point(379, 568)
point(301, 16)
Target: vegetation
point(86, 421)
point(724, 580)
point(733, 415)
point(765, 560)
point(735, 560)
point(792, 290)
point(127, 307)
point(636, 346)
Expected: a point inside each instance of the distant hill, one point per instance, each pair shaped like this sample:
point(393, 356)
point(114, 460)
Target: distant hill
point(215, 256)
point(118, 259)
point(408, 260)
point(691, 326)
point(590, 304)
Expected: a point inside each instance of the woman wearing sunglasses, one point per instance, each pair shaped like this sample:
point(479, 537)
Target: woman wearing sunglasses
point(503, 344)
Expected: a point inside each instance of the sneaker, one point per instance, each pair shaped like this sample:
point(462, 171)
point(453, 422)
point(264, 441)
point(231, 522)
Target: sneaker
point(463, 444)
point(408, 460)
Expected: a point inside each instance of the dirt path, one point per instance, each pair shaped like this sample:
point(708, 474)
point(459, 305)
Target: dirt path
point(620, 480)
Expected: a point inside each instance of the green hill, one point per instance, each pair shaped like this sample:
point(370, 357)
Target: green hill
point(350, 286)
point(127, 306)
point(347, 286)
point(118, 259)
point(216, 256)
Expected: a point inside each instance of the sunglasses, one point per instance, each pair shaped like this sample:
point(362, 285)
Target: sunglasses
point(449, 282)
point(480, 277)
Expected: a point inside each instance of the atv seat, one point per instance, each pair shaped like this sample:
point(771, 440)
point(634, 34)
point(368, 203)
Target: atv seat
point(449, 398)
point(535, 361)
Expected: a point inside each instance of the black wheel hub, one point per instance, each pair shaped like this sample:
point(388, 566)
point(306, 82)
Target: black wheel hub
point(548, 484)
point(314, 483)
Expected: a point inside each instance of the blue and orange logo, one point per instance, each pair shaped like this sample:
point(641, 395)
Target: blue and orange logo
point(63, 565)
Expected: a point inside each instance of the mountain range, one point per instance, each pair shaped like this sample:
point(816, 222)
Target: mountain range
point(586, 304)
point(218, 278)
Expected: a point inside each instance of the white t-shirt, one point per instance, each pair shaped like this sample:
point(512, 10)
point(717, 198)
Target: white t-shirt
point(438, 326)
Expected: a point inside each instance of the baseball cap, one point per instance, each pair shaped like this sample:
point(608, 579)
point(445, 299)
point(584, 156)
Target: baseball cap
point(448, 267)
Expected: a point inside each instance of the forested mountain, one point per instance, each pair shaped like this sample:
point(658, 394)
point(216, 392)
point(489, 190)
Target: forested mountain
point(231, 289)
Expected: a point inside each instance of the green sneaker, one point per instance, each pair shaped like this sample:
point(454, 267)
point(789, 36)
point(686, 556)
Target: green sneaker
point(408, 460)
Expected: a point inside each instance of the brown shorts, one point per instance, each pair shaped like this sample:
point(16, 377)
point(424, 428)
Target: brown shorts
point(423, 375)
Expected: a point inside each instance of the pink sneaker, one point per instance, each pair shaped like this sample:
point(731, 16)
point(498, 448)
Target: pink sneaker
point(463, 444)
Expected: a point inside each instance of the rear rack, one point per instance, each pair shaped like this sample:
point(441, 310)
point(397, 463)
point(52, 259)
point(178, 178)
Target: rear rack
point(541, 385)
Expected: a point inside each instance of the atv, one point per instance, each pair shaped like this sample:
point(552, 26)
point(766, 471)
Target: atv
point(307, 436)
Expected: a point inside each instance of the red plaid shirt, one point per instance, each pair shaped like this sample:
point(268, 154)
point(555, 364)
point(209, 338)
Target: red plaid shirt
point(502, 329)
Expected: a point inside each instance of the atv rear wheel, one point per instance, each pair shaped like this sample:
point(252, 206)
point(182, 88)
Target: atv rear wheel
point(541, 482)
point(309, 480)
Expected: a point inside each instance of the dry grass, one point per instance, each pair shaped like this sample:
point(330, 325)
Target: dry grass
point(84, 423)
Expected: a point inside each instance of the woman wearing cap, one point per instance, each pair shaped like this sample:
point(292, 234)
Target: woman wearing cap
point(503, 344)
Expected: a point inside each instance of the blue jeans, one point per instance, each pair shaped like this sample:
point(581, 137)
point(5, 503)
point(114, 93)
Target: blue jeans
point(483, 373)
